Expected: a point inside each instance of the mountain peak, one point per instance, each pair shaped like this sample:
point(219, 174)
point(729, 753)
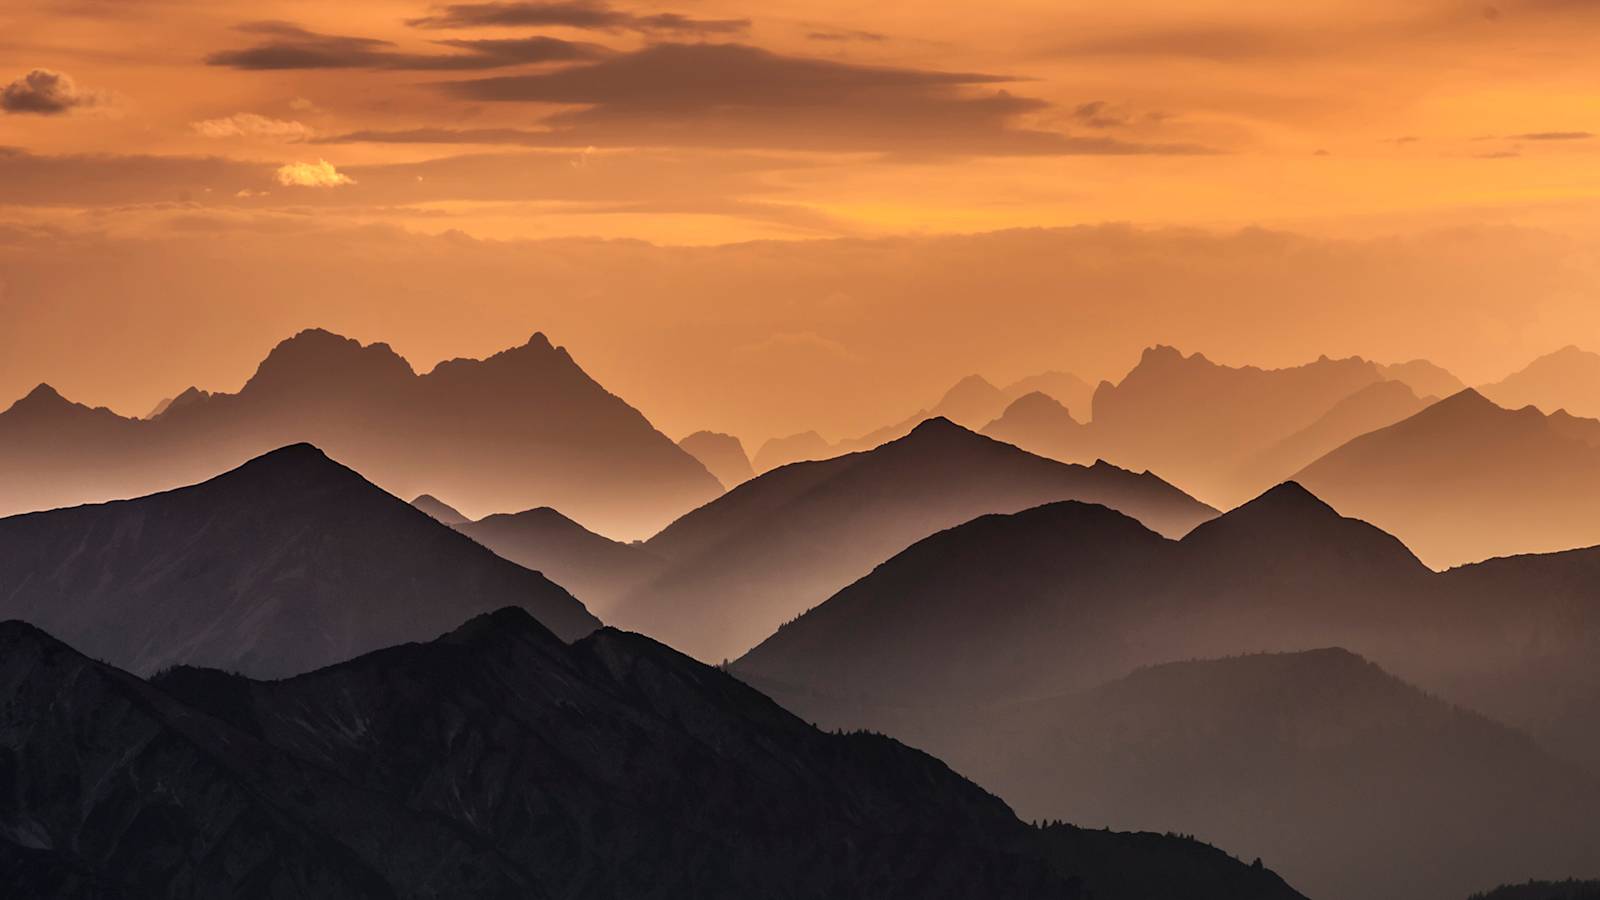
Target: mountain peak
point(318, 358)
point(439, 510)
point(505, 622)
point(1036, 405)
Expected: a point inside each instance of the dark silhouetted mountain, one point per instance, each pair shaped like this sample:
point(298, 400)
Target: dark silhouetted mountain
point(1066, 595)
point(1464, 480)
point(721, 454)
point(786, 540)
point(284, 564)
point(1199, 423)
point(1424, 378)
point(439, 510)
point(1567, 379)
point(525, 427)
point(1071, 391)
point(1544, 890)
point(1375, 406)
point(497, 761)
point(1355, 784)
point(782, 451)
point(588, 564)
point(1038, 424)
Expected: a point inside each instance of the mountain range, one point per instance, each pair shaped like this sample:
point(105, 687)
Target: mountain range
point(1464, 480)
point(972, 403)
point(765, 552)
point(525, 427)
point(1568, 379)
point(1002, 645)
point(285, 564)
point(497, 761)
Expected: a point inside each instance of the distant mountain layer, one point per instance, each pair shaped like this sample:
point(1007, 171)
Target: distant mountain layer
point(738, 567)
point(1568, 379)
point(1039, 424)
point(971, 403)
point(721, 454)
point(497, 761)
point(595, 568)
point(285, 564)
point(525, 427)
point(1464, 480)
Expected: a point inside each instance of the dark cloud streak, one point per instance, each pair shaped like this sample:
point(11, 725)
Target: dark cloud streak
point(584, 14)
point(290, 46)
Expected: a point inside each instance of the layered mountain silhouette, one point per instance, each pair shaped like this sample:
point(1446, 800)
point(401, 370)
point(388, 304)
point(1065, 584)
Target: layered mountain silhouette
point(1375, 406)
point(285, 564)
point(973, 402)
point(1199, 423)
point(1039, 424)
point(588, 564)
point(721, 454)
point(1057, 600)
point(1567, 379)
point(1356, 784)
point(1465, 479)
point(1424, 378)
point(1066, 595)
point(525, 427)
point(499, 761)
point(784, 541)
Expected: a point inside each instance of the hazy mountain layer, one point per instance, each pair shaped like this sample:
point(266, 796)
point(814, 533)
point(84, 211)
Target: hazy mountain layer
point(784, 541)
point(525, 427)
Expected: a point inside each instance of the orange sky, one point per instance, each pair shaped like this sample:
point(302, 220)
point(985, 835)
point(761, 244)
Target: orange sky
point(173, 137)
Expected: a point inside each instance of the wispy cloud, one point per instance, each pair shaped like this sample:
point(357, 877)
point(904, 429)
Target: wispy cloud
point(585, 14)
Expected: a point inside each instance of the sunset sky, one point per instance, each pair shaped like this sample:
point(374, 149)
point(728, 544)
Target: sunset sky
point(184, 183)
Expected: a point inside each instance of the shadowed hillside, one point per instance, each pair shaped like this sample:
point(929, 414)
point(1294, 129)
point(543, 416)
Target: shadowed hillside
point(499, 761)
point(284, 564)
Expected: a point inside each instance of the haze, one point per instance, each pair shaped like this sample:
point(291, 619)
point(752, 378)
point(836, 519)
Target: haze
point(932, 191)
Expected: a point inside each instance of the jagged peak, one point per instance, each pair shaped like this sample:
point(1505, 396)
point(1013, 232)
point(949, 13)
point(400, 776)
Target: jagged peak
point(316, 352)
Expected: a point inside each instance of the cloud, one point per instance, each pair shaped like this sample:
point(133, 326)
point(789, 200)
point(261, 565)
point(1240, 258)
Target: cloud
point(585, 14)
point(289, 46)
point(46, 92)
point(252, 125)
point(1099, 114)
point(1552, 136)
point(739, 95)
point(871, 37)
point(320, 174)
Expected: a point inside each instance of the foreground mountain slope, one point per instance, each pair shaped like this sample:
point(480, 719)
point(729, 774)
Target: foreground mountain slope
point(1465, 480)
point(284, 564)
point(786, 540)
point(525, 427)
point(497, 761)
point(1392, 793)
point(594, 567)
